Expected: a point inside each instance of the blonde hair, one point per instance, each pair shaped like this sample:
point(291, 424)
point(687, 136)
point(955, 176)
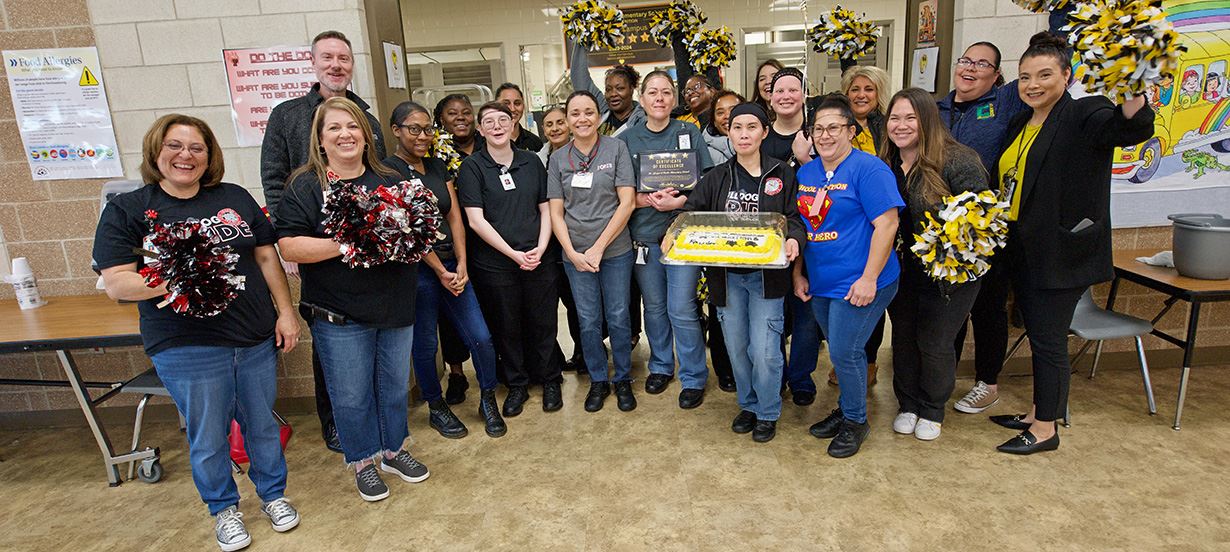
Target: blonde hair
point(878, 77)
point(151, 147)
point(317, 159)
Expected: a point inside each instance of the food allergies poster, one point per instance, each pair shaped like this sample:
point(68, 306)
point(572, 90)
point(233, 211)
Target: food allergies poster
point(62, 113)
point(259, 79)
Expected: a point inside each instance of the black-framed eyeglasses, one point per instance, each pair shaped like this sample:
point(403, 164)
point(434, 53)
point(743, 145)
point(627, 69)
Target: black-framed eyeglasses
point(415, 130)
point(981, 65)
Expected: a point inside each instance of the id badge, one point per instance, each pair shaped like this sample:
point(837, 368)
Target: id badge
point(1009, 185)
point(583, 180)
point(642, 251)
point(506, 180)
point(685, 141)
point(416, 182)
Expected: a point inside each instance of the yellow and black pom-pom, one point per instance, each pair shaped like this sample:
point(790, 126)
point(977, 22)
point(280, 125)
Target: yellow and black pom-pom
point(710, 48)
point(956, 248)
point(682, 17)
point(843, 35)
point(442, 149)
point(1041, 6)
point(1122, 45)
point(593, 23)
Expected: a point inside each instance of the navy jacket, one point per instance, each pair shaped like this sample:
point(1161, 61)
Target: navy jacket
point(983, 124)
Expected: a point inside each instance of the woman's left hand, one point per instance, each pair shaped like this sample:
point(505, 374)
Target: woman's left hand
point(593, 258)
point(462, 278)
point(801, 147)
point(792, 250)
point(286, 332)
point(862, 293)
point(667, 199)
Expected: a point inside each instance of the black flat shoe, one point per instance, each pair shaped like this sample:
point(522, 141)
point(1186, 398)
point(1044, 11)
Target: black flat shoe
point(1026, 444)
point(727, 384)
point(656, 383)
point(329, 434)
point(744, 422)
point(515, 401)
point(691, 398)
point(624, 398)
point(598, 392)
point(1011, 421)
point(849, 439)
point(552, 397)
point(803, 398)
point(764, 431)
point(828, 427)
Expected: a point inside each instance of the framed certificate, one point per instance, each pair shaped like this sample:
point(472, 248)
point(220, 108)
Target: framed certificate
point(679, 169)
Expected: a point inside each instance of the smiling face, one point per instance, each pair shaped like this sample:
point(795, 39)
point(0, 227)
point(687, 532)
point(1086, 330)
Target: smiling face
point(458, 119)
point(832, 134)
point(183, 168)
point(787, 97)
point(698, 94)
point(902, 124)
point(1042, 81)
point(341, 137)
point(513, 101)
point(583, 117)
point(555, 128)
point(764, 81)
point(864, 98)
point(334, 64)
point(618, 93)
point(416, 145)
point(721, 112)
point(971, 82)
point(496, 127)
point(658, 98)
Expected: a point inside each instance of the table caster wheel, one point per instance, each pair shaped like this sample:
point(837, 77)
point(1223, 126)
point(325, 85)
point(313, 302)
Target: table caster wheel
point(150, 471)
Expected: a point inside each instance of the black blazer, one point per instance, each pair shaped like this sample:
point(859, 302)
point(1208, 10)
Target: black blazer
point(1066, 180)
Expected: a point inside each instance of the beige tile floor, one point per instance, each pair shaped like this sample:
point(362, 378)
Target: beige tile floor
point(664, 479)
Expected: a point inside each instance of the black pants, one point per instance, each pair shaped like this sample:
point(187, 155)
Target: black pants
point(521, 308)
point(989, 317)
point(924, 324)
point(717, 346)
point(1048, 315)
point(324, 407)
point(872, 348)
point(452, 348)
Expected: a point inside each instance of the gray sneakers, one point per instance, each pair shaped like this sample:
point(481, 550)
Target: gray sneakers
point(371, 487)
point(230, 531)
point(405, 466)
point(281, 514)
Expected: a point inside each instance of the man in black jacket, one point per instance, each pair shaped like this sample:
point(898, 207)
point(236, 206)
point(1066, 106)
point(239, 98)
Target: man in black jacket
point(285, 148)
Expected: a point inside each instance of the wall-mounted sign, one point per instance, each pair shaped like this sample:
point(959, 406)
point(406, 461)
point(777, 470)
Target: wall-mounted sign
point(259, 79)
point(635, 46)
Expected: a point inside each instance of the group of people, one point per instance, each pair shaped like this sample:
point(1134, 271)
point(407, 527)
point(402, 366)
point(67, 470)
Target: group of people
point(532, 221)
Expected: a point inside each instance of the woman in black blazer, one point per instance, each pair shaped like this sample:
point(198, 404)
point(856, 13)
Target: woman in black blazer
point(1055, 172)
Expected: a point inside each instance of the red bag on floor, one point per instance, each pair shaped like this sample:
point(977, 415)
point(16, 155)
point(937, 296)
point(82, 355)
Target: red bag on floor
point(239, 455)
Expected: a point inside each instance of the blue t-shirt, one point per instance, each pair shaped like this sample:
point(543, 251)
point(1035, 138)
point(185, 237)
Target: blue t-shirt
point(860, 189)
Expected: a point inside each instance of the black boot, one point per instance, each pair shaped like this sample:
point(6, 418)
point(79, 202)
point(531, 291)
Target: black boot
point(598, 392)
point(490, 413)
point(625, 399)
point(515, 401)
point(457, 385)
point(442, 419)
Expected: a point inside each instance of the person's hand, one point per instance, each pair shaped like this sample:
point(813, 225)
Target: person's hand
point(593, 257)
point(667, 199)
point(291, 269)
point(801, 287)
point(579, 262)
point(286, 331)
point(642, 199)
point(862, 292)
point(792, 249)
point(463, 278)
point(801, 146)
point(448, 280)
point(522, 259)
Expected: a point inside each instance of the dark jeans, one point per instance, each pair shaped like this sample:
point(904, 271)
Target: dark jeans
point(805, 339)
point(324, 407)
point(435, 307)
point(520, 308)
point(924, 323)
point(1048, 315)
point(989, 317)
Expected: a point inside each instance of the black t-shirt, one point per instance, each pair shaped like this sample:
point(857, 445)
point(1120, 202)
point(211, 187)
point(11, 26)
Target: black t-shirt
point(778, 146)
point(381, 296)
point(744, 196)
point(436, 179)
point(513, 212)
point(232, 218)
point(527, 140)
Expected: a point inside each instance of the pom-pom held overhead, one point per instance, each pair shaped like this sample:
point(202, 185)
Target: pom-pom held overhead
point(389, 224)
point(1123, 46)
point(711, 48)
point(199, 274)
point(442, 148)
point(593, 23)
point(1041, 6)
point(843, 35)
point(955, 249)
point(682, 18)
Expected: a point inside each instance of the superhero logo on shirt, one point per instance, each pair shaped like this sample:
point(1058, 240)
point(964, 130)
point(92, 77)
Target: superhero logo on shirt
point(773, 186)
point(812, 214)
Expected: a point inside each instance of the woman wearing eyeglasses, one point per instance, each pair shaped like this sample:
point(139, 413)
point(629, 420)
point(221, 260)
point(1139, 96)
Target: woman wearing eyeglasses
point(445, 296)
point(514, 265)
point(698, 94)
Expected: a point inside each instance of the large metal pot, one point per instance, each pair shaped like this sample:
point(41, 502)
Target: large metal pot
point(1202, 246)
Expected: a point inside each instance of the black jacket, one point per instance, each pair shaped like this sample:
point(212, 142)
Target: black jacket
point(1066, 180)
point(710, 195)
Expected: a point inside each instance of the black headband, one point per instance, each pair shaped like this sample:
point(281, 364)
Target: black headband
point(748, 108)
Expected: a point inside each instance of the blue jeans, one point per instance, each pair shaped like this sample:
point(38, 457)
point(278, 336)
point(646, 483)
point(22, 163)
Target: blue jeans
point(804, 345)
point(466, 319)
point(210, 387)
point(600, 296)
point(367, 372)
point(671, 314)
point(847, 328)
point(753, 327)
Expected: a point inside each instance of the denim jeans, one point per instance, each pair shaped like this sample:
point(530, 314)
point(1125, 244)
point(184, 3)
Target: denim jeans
point(805, 340)
point(210, 387)
point(367, 371)
point(462, 313)
point(603, 296)
point(672, 316)
point(847, 328)
point(753, 327)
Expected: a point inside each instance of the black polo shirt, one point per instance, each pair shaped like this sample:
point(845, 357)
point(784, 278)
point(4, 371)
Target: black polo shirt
point(381, 296)
point(513, 212)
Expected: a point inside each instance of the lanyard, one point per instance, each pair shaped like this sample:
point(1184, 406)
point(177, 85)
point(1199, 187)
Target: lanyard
point(585, 161)
point(1023, 145)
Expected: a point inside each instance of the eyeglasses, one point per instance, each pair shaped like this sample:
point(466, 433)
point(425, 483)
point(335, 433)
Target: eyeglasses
point(415, 130)
point(831, 130)
point(695, 88)
point(981, 65)
point(176, 147)
point(496, 121)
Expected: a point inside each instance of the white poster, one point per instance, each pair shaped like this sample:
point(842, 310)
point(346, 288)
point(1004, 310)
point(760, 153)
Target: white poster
point(62, 113)
point(395, 65)
point(923, 68)
point(259, 79)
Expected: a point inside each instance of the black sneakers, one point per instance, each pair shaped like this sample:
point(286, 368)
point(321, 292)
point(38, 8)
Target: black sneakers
point(744, 422)
point(329, 433)
point(441, 418)
point(552, 397)
point(656, 383)
point(849, 438)
point(490, 413)
point(624, 397)
point(405, 466)
point(828, 427)
point(457, 386)
point(371, 487)
point(515, 401)
point(598, 392)
point(764, 431)
point(691, 398)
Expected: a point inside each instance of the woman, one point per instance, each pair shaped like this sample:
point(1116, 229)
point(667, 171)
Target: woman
point(716, 131)
point(848, 202)
point(762, 91)
point(515, 267)
point(455, 115)
point(555, 130)
point(786, 139)
point(362, 319)
point(221, 367)
point(750, 302)
point(698, 94)
point(669, 291)
point(510, 95)
point(443, 282)
point(592, 189)
point(1055, 173)
point(929, 166)
point(618, 109)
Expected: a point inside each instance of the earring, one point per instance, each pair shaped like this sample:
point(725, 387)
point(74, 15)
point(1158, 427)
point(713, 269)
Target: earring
point(322, 150)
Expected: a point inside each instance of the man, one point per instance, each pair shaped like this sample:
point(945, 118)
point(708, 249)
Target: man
point(286, 147)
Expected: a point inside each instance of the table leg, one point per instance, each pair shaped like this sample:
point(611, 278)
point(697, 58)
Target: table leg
point(1189, 349)
point(91, 416)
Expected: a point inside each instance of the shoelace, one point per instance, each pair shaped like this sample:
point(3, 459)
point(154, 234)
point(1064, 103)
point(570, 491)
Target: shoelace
point(404, 458)
point(978, 393)
point(230, 522)
point(369, 476)
point(279, 509)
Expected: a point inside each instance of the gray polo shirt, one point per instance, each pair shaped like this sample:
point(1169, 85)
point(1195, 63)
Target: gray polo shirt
point(588, 210)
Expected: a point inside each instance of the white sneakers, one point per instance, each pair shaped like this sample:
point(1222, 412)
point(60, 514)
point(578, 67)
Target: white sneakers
point(907, 423)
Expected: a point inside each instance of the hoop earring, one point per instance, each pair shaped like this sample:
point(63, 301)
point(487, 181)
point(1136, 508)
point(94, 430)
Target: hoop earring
point(322, 151)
